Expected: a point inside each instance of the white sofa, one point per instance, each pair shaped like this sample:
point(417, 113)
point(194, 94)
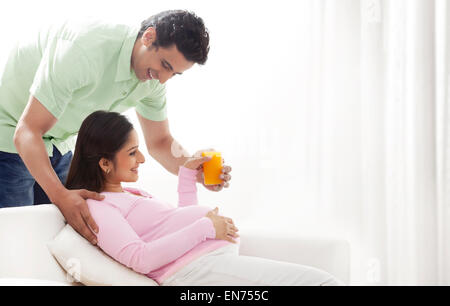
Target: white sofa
point(26, 260)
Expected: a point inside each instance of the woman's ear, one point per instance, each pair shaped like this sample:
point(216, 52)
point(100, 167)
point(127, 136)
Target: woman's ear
point(105, 165)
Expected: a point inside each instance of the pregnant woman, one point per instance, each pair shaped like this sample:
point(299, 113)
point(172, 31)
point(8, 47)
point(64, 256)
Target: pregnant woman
point(188, 245)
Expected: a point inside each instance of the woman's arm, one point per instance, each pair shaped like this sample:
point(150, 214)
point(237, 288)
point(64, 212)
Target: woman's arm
point(187, 189)
point(187, 179)
point(119, 240)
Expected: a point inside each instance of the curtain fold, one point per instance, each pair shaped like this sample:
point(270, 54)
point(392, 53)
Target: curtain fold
point(410, 151)
point(373, 142)
point(443, 138)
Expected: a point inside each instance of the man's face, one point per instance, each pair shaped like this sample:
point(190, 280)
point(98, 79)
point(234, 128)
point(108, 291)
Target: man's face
point(162, 64)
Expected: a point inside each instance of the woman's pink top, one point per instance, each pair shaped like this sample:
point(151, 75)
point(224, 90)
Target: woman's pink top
point(151, 236)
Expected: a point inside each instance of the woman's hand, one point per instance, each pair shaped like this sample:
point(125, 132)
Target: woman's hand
point(225, 176)
point(225, 228)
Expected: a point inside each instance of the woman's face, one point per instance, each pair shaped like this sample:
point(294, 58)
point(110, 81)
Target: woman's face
point(127, 161)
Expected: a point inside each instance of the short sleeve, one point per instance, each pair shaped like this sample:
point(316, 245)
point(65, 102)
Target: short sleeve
point(153, 106)
point(63, 69)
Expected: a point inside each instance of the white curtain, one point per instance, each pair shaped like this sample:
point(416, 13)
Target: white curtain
point(379, 136)
point(334, 115)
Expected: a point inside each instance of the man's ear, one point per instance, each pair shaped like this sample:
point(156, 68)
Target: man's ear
point(104, 164)
point(149, 36)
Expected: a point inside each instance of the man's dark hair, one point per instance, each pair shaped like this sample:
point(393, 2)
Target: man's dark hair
point(182, 28)
point(102, 134)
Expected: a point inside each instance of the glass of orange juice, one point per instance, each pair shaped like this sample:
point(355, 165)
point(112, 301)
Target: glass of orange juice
point(212, 169)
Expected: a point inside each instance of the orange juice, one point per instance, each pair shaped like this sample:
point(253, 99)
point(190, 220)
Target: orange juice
point(212, 169)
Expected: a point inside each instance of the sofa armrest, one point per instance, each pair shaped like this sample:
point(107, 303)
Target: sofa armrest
point(24, 232)
point(328, 254)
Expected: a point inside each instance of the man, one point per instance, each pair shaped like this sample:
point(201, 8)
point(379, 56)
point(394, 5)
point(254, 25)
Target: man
point(51, 83)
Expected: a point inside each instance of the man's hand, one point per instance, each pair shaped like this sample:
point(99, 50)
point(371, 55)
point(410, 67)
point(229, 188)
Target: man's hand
point(225, 176)
point(72, 204)
point(195, 163)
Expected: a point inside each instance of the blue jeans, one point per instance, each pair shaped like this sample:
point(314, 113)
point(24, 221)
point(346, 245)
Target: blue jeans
point(18, 187)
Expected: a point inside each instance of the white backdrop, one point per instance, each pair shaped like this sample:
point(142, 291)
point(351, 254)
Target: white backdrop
point(332, 113)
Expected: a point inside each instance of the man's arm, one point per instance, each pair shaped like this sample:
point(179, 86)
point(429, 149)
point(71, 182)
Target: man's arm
point(35, 121)
point(161, 145)
point(33, 124)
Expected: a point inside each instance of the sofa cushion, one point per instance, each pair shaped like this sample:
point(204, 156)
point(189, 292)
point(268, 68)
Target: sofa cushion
point(89, 265)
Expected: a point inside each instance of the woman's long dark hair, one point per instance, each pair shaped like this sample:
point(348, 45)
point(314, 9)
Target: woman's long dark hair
point(102, 134)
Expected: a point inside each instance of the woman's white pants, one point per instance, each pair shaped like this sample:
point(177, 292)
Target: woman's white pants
point(225, 267)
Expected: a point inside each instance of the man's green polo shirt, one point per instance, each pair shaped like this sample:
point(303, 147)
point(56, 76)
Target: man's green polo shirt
point(74, 69)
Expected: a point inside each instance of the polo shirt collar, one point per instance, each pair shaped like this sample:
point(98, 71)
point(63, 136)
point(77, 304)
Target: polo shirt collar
point(124, 71)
